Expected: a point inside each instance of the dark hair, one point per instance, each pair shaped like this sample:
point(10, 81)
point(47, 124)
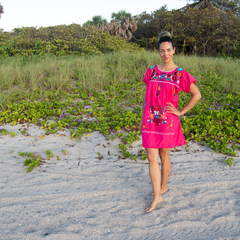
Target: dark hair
point(165, 37)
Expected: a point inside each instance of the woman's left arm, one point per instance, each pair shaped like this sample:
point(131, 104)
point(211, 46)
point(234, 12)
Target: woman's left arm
point(196, 96)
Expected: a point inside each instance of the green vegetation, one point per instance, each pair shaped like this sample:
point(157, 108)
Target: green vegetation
point(96, 20)
point(32, 160)
point(5, 132)
point(121, 15)
point(1, 10)
point(49, 154)
point(230, 161)
point(61, 77)
point(61, 40)
point(206, 28)
point(23, 132)
point(105, 93)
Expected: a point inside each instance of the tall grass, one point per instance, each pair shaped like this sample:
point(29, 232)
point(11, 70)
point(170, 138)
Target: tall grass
point(95, 72)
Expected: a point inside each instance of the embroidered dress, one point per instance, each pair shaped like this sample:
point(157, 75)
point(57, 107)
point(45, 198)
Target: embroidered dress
point(160, 128)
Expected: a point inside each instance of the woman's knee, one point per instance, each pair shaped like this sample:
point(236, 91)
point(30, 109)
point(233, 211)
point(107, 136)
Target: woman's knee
point(152, 157)
point(164, 154)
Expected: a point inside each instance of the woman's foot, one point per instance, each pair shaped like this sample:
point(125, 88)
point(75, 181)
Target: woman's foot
point(163, 190)
point(153, 204)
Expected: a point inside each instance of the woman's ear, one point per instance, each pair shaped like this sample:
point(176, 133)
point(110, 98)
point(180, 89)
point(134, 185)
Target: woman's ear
point(174, 50)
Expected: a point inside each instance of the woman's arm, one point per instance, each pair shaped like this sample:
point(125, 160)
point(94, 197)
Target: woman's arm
point(196, 96)
point(140, 125)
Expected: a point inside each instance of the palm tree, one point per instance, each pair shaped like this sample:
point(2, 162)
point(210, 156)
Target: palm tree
point(1, 10)
point(122, 29)
point(96, 20)
point(121, 15)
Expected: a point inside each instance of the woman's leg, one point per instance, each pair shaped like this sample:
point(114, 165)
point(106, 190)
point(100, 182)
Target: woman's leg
point(155, 175)
point(165, 167)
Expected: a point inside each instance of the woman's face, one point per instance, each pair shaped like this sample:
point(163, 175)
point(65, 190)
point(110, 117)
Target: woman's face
point(166, 51)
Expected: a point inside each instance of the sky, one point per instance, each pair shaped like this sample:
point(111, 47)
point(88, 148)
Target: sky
point(44, 13)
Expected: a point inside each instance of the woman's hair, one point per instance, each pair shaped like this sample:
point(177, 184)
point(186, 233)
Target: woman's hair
point(165, 37)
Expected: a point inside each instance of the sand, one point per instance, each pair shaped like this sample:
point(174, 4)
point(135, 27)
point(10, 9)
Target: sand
point(83, 197)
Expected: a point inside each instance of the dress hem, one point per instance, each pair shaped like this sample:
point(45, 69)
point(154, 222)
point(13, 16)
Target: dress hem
point(178, 145)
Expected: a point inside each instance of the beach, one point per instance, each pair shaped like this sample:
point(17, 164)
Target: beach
point(79, 195)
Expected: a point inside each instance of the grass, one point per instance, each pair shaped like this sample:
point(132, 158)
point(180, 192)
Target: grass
point(94, 72)
point(109, 89)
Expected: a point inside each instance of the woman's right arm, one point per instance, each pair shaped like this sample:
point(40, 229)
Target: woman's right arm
point(141, 123)
point(146, 80)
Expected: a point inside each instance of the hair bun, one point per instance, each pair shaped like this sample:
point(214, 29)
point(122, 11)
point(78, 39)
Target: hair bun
point(164, 34)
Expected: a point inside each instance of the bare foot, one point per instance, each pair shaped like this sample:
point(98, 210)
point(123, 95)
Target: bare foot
point(163, 190)
point(153, 204)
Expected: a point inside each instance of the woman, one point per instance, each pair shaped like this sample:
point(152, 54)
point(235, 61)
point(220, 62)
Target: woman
point(160, 125)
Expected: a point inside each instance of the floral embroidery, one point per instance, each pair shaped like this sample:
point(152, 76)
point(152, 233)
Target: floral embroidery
point(157, 115)
point(174, 93)
point(145, 103)
point(179, 74)
point(158, 89)
point(170, 125)
point(173, 77)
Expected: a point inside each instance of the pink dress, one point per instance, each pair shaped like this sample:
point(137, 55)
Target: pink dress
point(160, 128)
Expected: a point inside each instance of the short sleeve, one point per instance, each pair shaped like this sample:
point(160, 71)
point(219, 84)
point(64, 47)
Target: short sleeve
point(147, 75)
point(186, 81)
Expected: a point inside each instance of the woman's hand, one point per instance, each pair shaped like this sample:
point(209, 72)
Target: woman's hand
point(196, 96)
point(171, 109)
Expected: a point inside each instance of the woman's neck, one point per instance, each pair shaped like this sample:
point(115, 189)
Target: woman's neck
point(167, 66)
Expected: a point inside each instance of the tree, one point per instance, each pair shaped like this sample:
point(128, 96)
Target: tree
point(149, 26)
point(145, 27)
point(121, 29)
point(96, 20)
point(223, 5)
point(1, 10)
point(207, 31)
point(121, 25)
point(121, 15)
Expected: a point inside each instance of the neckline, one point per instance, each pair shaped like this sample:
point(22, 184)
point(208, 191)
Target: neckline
point(167, 71)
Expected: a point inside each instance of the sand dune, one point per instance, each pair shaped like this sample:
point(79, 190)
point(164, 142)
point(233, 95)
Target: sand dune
point(82, 197)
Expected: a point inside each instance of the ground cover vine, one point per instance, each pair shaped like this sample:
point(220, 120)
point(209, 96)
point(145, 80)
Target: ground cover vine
point(115, 110)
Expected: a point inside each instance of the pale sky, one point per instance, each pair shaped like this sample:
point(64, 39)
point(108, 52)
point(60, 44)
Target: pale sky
point(43, 13)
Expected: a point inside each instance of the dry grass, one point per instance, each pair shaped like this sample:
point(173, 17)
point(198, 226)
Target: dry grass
point(95, 72)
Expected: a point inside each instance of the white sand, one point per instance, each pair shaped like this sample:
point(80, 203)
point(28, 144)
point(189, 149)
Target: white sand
point(82, 197)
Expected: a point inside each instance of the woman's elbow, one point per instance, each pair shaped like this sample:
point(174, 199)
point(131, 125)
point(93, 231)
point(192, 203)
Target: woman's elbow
point(199, 96)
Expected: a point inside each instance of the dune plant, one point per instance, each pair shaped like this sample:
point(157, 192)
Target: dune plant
point(23, 132)
point(61, 40)
point(230, 161)
point(49, 154)
point(5, 132)
point(105, 93)
point(32, 160)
